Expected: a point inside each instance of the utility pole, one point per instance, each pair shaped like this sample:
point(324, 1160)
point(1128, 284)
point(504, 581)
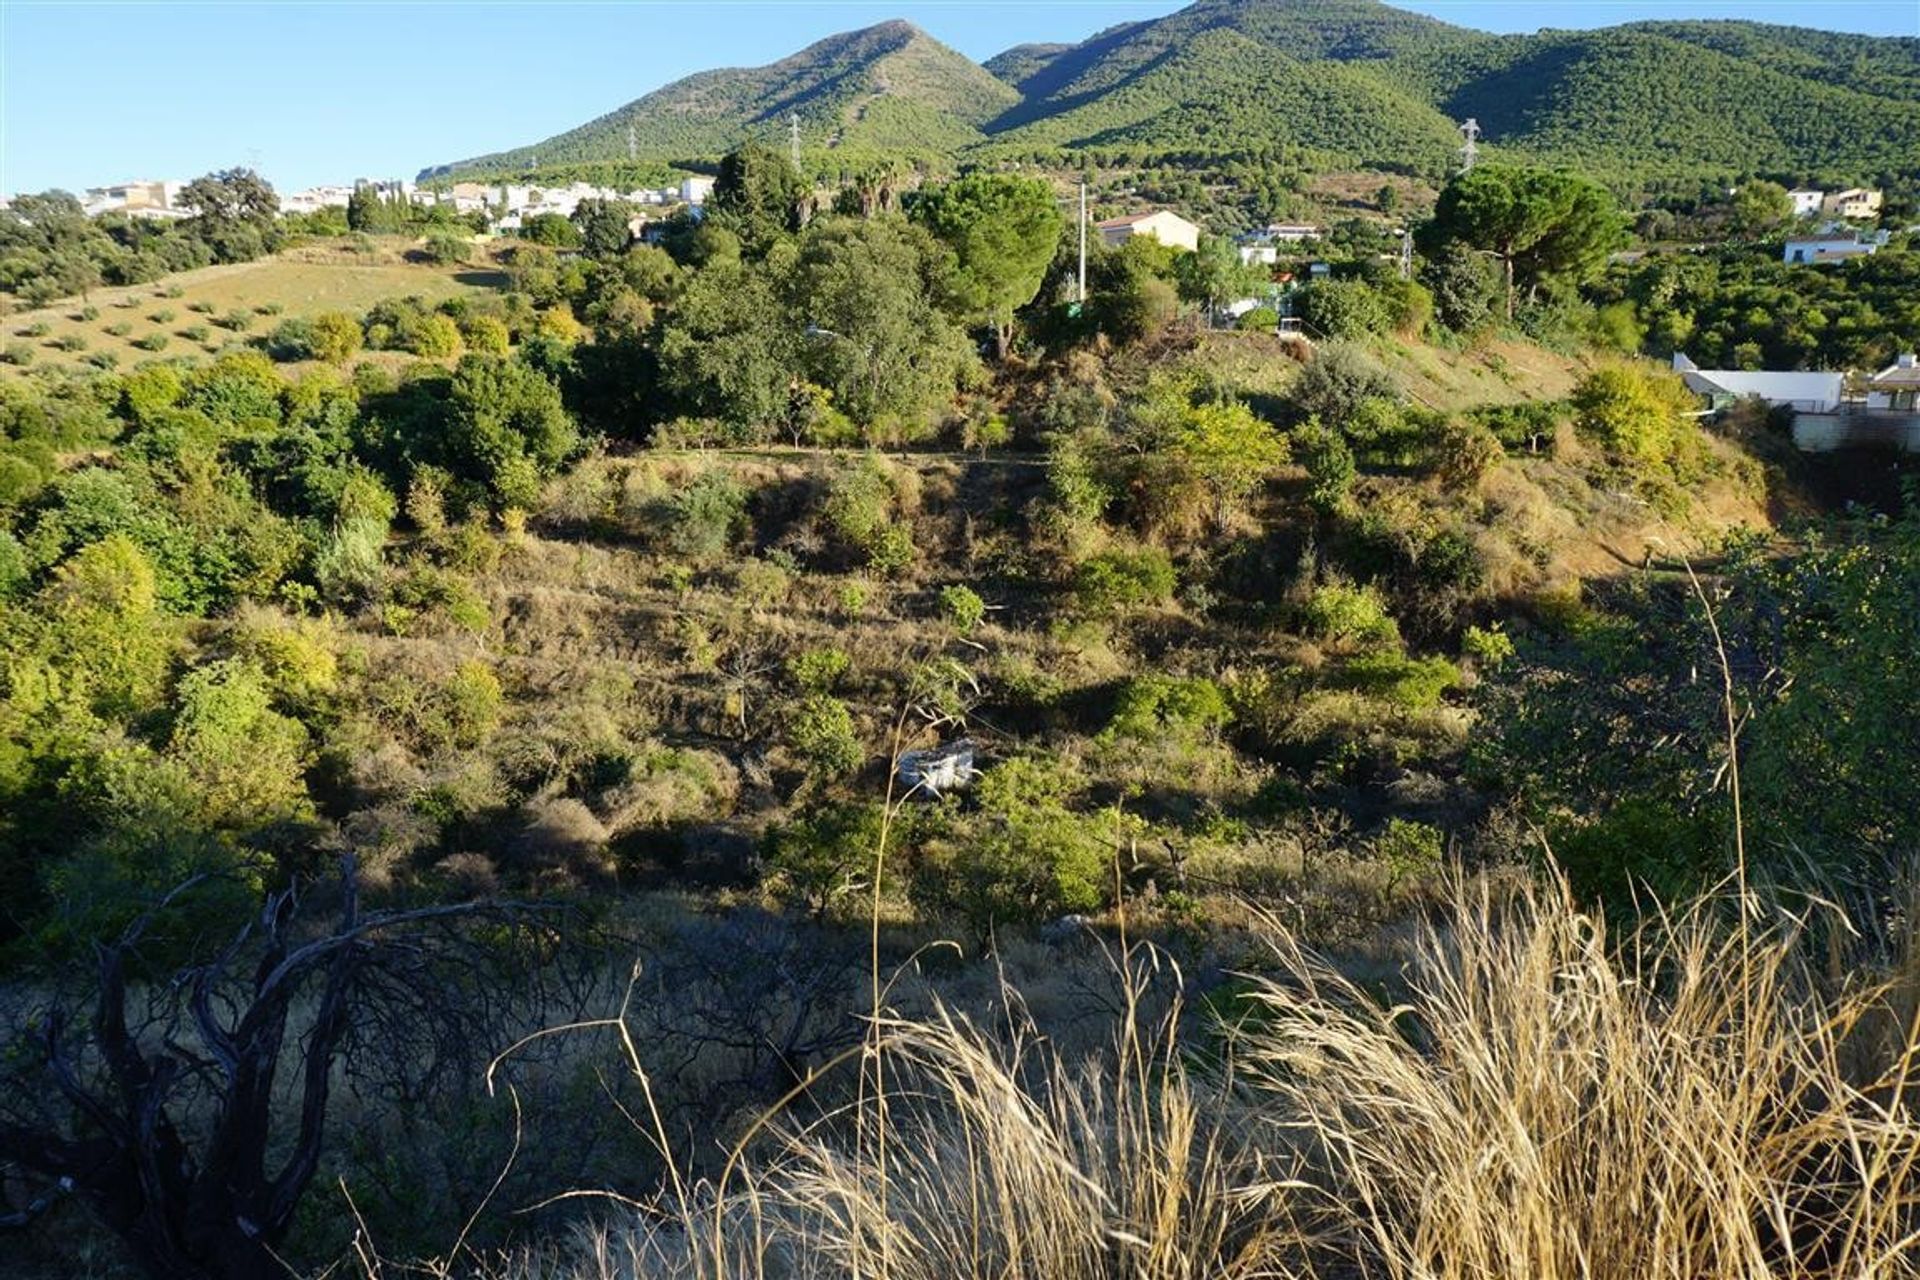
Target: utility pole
point(633, 145)
point(1406, 252)
point(1469, 150)
point(1081, 294)
point(793, 139)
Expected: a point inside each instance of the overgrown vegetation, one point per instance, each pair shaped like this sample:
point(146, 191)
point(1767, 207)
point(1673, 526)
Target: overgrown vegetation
point(619, 597)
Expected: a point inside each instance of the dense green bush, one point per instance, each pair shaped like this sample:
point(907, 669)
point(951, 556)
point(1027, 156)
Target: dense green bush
point(963, 607)
point(1342, 309)
point(1152, 708)
point(705, 518)
point(1114, 581)
point(821, 733)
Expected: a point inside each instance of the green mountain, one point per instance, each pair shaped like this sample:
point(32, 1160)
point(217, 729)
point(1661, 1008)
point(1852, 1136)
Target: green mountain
point(1222, 89)
point(1641, 101)
point(889, 88)
point(1023, 61)
point(1338, 82)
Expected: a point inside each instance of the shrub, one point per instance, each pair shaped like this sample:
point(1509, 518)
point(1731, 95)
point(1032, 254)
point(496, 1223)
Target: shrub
point(471, 702)
point(707, 517)
point(1029, 856)
point(826, 855)
point(291, 340)
point(334, 336)
point(201, 306)
point(104, 360)
point(1338, 381)
point(162, 316)
point(1113, 581)
point(1490, 647)
point(1340, 309)
point(19, 354)
point(1330, 466)
point(1409, 850)
point(859, 504)
point(152, 342)
point(962, 607)
point(434, 337)
point(1465, 453)
point(820, 731)
point(38, 329)
point(237, 320)
point(1154, 707)
point(891, 549)
point(69, 342)
point(1466, 287)
point(119, 329)
point(1635, 411)
point(1260, 320)
point(485, 333)
point(818, 670)
point(761, 583)
point(1353, 615)
point(1411, 684)
point(195, 333)
point(444, 249)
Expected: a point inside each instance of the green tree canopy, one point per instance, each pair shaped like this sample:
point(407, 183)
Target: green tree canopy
point(862, 294)
point(1003, 231)
point(604, 226)
point(1543, 225)
point(757, 196)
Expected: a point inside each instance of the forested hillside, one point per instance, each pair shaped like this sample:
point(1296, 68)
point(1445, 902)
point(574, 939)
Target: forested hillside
point(888, 88)
point(1348, 82)
point(1630, 102)
point(1222, 89)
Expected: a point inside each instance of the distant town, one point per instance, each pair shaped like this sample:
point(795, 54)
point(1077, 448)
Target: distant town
point(507, 203)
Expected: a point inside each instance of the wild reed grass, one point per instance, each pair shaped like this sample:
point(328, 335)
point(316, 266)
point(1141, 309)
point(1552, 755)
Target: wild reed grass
point(1547, 1102)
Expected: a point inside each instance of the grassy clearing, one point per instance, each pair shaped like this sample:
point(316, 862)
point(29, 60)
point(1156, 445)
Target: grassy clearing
point(302, 282)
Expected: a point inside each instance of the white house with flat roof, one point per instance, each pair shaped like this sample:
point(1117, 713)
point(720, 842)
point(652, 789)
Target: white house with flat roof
point(1815, 392)
point(1808, 250)
point(1806, 201)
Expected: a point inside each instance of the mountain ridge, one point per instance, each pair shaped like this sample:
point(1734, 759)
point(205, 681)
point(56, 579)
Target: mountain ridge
point(1354, 82)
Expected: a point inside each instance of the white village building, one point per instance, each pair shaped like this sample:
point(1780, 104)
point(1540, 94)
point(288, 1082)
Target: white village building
point(1814, 392)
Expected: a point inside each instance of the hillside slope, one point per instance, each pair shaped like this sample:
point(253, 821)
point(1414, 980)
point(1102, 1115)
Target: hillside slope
point(1223, 88)
point(889, 87)
point(1343, 82)
point(1642, 102)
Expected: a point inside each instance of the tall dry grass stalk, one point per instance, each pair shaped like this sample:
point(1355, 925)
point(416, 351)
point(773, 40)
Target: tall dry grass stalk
point(1542, 1109)
point(1544, 1105)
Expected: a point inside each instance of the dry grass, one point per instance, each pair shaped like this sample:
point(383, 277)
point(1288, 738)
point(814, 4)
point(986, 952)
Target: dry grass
point(1541, 1105)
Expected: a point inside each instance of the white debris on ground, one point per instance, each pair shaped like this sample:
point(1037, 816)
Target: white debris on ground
point(938, 770)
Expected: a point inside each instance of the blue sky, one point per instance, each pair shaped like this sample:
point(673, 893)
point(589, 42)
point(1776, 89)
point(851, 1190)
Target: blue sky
point(313, 92)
